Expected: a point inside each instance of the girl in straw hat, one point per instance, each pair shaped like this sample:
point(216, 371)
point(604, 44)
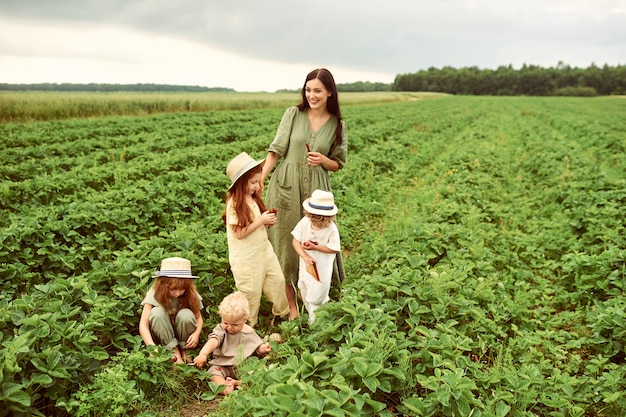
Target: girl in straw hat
point(310, 142)
point(252, 259)
point(316, 241)
point(171, 309)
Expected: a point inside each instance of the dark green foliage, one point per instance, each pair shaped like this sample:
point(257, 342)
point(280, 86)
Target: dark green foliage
point(484, 245)
point(529, 80)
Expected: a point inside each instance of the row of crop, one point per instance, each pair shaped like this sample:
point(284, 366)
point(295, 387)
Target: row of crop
point(94, 251)
point(461, 304)
point(453, 254)
point(88, 182)
point(424, 346)
point(68, 238)
point(79, 144)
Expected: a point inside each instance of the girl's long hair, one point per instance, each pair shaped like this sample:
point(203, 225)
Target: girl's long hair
point(332, 104)
point(188, 300)
point(237, 196)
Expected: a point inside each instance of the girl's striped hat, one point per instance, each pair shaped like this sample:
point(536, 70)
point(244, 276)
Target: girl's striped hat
point(175, 268)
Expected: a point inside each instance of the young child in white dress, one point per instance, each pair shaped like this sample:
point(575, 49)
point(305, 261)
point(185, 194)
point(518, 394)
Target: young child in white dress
point(316, 240)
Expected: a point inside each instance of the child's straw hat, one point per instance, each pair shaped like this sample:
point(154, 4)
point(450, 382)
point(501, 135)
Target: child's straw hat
point(175, 268)
point(241, 164)
point(321, 203)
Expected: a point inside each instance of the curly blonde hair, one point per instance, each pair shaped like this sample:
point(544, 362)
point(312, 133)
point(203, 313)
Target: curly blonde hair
point(318, 220)
point(235, 305)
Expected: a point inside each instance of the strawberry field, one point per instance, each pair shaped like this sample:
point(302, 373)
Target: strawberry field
point(484, 240)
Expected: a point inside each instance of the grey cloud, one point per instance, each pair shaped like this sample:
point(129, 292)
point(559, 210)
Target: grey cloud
point(394, 36)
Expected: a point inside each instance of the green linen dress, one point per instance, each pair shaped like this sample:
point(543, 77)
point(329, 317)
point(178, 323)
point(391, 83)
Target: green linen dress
point(293, 181)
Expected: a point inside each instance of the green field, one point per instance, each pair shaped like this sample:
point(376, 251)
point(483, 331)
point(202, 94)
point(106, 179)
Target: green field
point(484, 241)
point(28, 105)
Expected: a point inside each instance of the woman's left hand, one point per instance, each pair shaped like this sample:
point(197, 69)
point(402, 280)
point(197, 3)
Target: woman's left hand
point(315, 158)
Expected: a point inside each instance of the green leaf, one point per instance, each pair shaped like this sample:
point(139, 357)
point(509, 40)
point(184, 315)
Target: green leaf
point(42, 379)
point(502, 409)
point(394, 372)
point(53, 359)
point(13, 393)
point(612, 397)
point(414, 404)
point(371, 383)
point(464, 407)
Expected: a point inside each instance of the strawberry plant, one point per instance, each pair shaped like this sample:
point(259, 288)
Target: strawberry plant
point(483, 243)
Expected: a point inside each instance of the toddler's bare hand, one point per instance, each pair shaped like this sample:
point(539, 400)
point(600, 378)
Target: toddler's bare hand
point(310, 245)
point(200, 361)
point(264, 349)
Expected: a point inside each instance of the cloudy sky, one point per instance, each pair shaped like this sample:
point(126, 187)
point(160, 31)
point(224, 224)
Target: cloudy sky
point(253, 45)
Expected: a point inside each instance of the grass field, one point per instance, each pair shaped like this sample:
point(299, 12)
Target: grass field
point(25, 106)
point(484, 241)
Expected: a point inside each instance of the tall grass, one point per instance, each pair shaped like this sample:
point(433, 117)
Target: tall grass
point(25, 106)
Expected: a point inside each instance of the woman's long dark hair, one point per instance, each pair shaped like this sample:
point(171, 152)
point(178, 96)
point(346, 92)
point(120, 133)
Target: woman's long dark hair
point(332, 104)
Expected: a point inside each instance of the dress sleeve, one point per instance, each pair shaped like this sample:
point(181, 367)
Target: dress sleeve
point(297, 231)
point(218, 333)
point(339, 153)
point(280, 144)
point(231, 214)
point(334, 242)
point(150, 299)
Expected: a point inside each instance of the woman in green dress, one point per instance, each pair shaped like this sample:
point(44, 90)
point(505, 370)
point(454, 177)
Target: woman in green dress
point(311, 140)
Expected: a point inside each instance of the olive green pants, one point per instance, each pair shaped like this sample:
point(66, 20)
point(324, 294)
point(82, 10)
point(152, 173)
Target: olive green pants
point(169, 334)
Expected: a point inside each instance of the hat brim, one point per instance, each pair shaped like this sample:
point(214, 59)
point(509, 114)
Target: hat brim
point(173, 274)
point(321, 211)
point(245, 169)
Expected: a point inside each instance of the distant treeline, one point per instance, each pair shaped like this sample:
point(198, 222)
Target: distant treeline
point(359, 86)
point(529, 80)
point(111, 87)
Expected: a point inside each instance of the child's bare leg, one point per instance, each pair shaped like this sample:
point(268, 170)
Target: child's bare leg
point(186, 358)
point(178, 358)
point(291, 298)
point(234, 383)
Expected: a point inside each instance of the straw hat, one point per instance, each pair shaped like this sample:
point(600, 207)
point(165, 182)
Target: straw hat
point(175, 268)
point(241, 164)
point(321, 202)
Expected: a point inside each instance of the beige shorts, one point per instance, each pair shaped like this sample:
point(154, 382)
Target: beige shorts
point(223, 371)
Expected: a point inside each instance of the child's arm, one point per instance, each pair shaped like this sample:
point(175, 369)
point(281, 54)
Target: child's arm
point(299, 247)
point(311, 245)
point(268, 218)
point(208, 348)
point(194, 338)
point(144, 325)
